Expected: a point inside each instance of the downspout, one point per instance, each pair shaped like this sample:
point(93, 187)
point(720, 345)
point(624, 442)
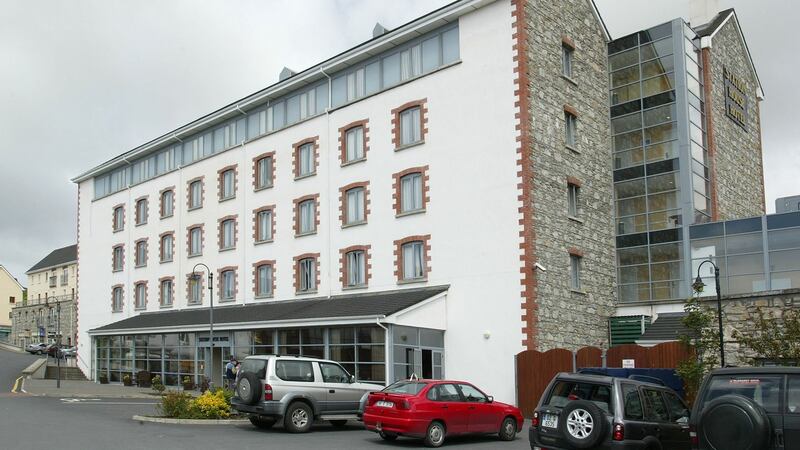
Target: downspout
point(388, 365)
point(328, 183)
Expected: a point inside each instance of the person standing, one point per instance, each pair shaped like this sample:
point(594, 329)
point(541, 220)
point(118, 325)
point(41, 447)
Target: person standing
point(230, 374)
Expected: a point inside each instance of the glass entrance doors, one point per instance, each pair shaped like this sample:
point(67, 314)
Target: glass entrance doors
point(212, 360)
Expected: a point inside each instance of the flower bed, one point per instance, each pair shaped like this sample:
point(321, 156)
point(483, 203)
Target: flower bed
point(212, 404)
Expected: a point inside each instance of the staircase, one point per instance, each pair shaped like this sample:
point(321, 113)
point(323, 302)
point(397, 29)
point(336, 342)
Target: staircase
point(67, 373)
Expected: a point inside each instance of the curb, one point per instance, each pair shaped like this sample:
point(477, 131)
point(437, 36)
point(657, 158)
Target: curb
point(190, 421)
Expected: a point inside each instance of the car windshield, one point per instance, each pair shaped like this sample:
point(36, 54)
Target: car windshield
point(764, 390)
point(565, 391)
point(406, 387)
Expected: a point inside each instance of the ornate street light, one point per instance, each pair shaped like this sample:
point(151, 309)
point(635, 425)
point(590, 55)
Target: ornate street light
point(698, 286)
point(196, 277)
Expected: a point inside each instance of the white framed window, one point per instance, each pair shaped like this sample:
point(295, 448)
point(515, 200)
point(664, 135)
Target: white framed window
point(195, 241)
point(570, 129)
point(228, 185)
point(118, 258)
point(308, 274)
point(264, 274)
point(264, 172)
point(354, 141)
point(305, 164)
point(411, 193)
point(141, 253)
point(140, 294)
point(166, 293)
point(264, 226)
point(141, 212)
point(355, 85)
point(566, 60)
point(228, 285)
point(355, 207)
point(227, 234)
point(413, 261)
point(307, 211)
point(411, 62)
point(196, 194)
point(410, 126)
point(119, 218)
point(356, 268)
point(166, 247)
point(167, 203)
point(195, 290)
point(573, 194)
point(116, 296)
point(575, 267)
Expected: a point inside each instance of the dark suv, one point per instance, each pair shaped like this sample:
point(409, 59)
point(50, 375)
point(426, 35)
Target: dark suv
point(581, 411)
point(753, 408)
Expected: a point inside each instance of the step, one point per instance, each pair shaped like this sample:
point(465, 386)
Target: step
point(67, 373)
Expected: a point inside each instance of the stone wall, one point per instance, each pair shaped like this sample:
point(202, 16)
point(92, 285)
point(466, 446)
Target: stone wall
point(24, 322)
point(737, 160)
point(567, 318)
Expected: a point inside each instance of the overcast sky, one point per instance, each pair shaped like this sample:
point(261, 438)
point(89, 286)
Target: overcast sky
point(83, 81)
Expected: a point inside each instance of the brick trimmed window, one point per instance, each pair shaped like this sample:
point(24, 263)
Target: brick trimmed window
point(354, 142)
point(354, 266)
point(227, 232)
point(118, 258)
point(306, 277)
point(264, 171)
point(409, 124)
point(227, 284)
point(140, 295)
point(194, 240)
point(412, 258)
point(166, 249)
point(118, 218)
point(226, 182)
point(264, 224)
point(570, 127)
point(573, 197)
point(195, 193)
point(140, 252)
point(567, 52)
point(411, 190)
point(167, 202)
point(305, 157)
point(166, 291)
point(194, 289)
point(264, 278)
point(306, 215)
point(354, 203)
point(117, 298)
point(141, 211)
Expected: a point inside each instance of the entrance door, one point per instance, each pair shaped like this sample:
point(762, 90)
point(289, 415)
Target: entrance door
point(212, 364)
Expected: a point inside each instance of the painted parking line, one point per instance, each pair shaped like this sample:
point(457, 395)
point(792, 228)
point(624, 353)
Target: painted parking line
point(98, 401)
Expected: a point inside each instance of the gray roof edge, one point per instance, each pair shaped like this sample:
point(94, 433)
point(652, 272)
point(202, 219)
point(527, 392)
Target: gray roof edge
point(45, 264)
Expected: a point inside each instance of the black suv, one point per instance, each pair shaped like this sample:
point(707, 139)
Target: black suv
point(581, 411)
point(753, 408)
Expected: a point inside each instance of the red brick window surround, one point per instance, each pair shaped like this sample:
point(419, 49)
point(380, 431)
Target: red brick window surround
point(306, 273)
point(166, 291)
point(227, 232)
point(264, 224)
point(226, 182)
point(118, 218)
point(166, 249)
point(410, 124)
point(264, 278)
point(570, 127)
point(354, 203)
point(305, 157)
point(140, 252)
point(412, 258)
point(354, 266)
point(118, 258)
point(354, 142)
point(141, 211)
point(167, 202)
point(195, 288)
point(140, 295)
point(411, 191)
point(227, 283)
point(567, 53)
point(306, 215)
point(194, 240)
point(117, 298)
point(264, 171)
point(195, 193)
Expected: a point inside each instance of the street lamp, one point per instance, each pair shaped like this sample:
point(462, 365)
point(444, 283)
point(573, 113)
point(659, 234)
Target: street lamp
point(196, 278)
point(698, 287)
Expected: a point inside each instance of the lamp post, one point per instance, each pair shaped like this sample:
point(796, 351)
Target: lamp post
point(698, 287)
point(196, 278)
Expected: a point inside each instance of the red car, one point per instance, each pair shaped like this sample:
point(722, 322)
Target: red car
point(434, 409)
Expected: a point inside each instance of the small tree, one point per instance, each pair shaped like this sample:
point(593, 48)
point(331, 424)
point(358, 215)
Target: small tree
point(703, 338)
point(771, 337)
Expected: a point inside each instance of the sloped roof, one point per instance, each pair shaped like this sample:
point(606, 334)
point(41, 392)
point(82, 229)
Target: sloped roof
point(667, 327)
point(3, 269)
point(61, 256)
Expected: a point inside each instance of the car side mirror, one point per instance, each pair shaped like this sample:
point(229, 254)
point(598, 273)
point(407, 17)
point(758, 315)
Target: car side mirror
point(352, 379)
point(490, 399)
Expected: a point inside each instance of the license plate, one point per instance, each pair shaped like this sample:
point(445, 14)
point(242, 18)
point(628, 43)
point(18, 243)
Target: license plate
point(550, 421)
point(384, 404)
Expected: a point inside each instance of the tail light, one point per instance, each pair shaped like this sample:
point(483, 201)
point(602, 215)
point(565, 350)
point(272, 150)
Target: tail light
point(693, 436)
point(535, 419)
point(267, 392)
point(371, 400)
point(619, 432)
point(403, 404)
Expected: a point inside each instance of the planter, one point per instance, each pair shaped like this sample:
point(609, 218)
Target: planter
point(188, 386)
point(103, 379)
point(127, 381)
point(143, 379)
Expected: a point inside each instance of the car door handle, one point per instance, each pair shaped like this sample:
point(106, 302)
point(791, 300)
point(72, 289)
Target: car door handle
point(331, 391)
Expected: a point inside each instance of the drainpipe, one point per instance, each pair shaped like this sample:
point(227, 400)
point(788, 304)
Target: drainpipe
point(328, 185)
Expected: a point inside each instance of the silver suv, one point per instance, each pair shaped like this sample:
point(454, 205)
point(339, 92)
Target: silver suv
point(298, 391)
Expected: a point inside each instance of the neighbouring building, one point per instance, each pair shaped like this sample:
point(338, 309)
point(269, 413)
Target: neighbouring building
point(49, 310)
point(432, 201)
point(11, 293)
point(787, 204)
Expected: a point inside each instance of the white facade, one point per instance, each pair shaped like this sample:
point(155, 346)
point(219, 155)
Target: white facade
point(472, 214)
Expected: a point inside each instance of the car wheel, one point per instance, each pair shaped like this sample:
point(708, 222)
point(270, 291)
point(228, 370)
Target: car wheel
point(734, 412)
point(248, 387)
point(387, 436)
point(508, 429)
point(338, 423)
point(582, 424)
point(264, 423)
point(298, 418)
point(435, 435)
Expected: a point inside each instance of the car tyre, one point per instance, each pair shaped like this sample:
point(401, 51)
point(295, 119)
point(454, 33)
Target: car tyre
point(387, 436)
point(508, 429)
point(338, 423)
point(298, 418)
point(734, 412)
point(581, 424)
point(435, 435)
point(248, 387)
point(264, 423)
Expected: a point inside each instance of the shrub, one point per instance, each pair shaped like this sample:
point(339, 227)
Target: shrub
point(227, 394)
point(157, 385)
point(175, 404)
point(210, 406)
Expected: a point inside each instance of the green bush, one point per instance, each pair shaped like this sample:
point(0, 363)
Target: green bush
point(210, 406)
point(176, 404)
point(157, 385)
point(227, 394)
